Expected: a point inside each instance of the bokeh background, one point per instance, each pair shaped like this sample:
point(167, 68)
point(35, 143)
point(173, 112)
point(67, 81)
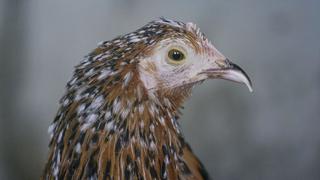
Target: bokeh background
point(273, 133)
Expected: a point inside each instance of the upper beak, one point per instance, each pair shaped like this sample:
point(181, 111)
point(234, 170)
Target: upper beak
point(229, 71)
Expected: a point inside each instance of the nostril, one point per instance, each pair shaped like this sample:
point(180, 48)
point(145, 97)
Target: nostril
point(222, 63)
point(228, 62)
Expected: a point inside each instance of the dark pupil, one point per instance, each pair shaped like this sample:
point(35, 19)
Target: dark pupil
point(177, 55)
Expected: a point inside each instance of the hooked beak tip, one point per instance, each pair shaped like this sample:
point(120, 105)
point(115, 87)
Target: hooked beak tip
point(240, 75)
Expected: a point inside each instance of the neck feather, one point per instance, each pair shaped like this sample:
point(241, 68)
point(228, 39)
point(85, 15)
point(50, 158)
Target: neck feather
point(119, 127)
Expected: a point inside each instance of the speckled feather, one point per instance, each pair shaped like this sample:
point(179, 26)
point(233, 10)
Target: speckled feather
point(110, 127)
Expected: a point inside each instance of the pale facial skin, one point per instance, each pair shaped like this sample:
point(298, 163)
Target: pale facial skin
point(192, 68)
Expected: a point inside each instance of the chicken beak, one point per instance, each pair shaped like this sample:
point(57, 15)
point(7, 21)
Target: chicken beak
point(229, 71)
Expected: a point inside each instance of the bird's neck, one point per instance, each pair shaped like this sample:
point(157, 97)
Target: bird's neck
point(147, 119)
point(122, 131)
point(141, 136)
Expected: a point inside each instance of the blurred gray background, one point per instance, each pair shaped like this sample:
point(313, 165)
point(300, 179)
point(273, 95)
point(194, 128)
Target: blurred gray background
point(272, 133)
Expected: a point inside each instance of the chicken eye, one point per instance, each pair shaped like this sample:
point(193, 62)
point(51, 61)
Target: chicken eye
point(176, 55)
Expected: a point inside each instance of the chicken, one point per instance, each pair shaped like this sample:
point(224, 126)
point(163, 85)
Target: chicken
point(119, 116)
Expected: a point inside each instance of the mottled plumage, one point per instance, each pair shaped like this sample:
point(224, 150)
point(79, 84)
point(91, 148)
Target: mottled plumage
point(118, 117)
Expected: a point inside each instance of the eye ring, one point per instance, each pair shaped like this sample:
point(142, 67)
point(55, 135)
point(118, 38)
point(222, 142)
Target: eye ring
point(176, 56)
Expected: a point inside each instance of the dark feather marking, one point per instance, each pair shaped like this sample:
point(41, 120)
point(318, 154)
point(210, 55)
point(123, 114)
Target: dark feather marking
point(137, 151)
point(107, 170)
point(127, 171)
point(92, 165)
point(95, 139)
point(163, 171)
point(74, 165)
point(153, 172)
point(184, 168)
point(81, 137)
point(118, 146)
point(203, 172)
point(146, 162)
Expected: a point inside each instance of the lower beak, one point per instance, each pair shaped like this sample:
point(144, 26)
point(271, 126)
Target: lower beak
point(230, 71)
